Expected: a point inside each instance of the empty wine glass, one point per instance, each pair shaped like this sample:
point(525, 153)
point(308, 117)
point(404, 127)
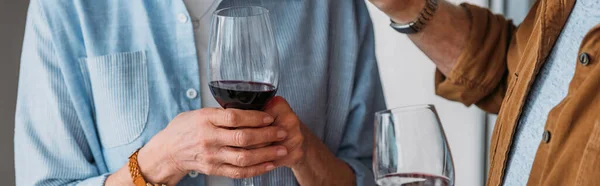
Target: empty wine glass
point(244, 63)
point(411, 148)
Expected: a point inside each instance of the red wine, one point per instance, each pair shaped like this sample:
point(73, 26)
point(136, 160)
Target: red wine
point(413, 179)
point(244, 95)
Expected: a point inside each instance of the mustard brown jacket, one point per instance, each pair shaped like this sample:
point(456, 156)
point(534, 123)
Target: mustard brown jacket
point(495, 72)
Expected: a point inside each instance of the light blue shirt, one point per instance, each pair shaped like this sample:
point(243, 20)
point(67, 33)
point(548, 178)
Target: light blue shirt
point(98, 79)
point(550, 87)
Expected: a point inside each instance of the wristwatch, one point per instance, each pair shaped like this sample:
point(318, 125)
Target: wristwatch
point(134, 171)
point(419, 24)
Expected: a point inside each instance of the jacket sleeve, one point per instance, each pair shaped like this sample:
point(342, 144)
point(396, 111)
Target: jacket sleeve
point(480, 74)
point(356, 148)
point(50, 146)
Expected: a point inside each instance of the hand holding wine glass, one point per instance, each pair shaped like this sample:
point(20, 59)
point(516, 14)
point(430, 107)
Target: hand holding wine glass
point(200, 141)
point(308, 157)
point(295, 142)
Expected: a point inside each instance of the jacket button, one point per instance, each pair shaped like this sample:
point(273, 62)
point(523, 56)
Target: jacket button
point(546, 137)
point(584, 58)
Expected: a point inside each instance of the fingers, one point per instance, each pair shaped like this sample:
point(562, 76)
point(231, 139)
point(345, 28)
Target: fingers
point(243, 172)
point(278, 106)
point(235, 118)
point(293, 158)
point(243, 157)
point(295, 151)
point(245, 137)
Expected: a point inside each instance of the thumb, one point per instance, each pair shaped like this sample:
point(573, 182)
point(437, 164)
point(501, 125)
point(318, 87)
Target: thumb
point(278, 106)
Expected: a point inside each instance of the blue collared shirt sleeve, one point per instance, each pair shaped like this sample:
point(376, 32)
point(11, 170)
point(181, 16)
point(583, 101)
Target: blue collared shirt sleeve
point(367, 98)
point(50, 146)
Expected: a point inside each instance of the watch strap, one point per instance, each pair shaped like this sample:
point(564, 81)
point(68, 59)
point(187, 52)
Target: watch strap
point(136, 173)
point(419, 24)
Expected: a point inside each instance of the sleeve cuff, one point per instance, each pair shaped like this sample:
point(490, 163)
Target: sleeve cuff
point(458, 88)
point(362, 172)
point(482, 63)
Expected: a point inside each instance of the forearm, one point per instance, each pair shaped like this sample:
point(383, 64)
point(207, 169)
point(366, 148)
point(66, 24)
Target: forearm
point(444, 37)
point(153, 167)
point(321, 167)
point(443, 40)
point(121, 177)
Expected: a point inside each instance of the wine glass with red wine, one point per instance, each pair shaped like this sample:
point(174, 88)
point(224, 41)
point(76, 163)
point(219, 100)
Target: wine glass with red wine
point(244, 62)
point(411, 148)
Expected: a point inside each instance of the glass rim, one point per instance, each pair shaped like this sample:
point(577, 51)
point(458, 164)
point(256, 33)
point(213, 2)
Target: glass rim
point(263, 11)
point(406, 108)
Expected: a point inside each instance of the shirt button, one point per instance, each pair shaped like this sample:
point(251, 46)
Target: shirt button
point(193, 174)
point(546, 137)
point(584, 58)
point(182, 18)
point(191, 93)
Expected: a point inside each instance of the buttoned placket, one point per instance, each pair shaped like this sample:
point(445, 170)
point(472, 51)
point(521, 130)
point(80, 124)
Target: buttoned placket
point(187, 64)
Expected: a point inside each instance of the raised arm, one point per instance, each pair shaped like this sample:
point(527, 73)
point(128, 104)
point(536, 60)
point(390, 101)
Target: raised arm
point(468, 44)
point(443, 39)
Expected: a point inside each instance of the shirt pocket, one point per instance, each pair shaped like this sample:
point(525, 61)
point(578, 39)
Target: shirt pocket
point(118, 85)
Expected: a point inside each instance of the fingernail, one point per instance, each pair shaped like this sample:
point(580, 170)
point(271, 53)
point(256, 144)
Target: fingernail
point(281, 134)
point(281, 152)
point(268, 119)
point(270, 167)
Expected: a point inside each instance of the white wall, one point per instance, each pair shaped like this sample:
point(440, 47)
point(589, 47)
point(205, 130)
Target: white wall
point(407, 76)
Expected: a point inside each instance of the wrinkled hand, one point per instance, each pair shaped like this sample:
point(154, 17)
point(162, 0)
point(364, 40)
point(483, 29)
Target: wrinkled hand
point(296, 141)
point(213, 142)
point(309, 158)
